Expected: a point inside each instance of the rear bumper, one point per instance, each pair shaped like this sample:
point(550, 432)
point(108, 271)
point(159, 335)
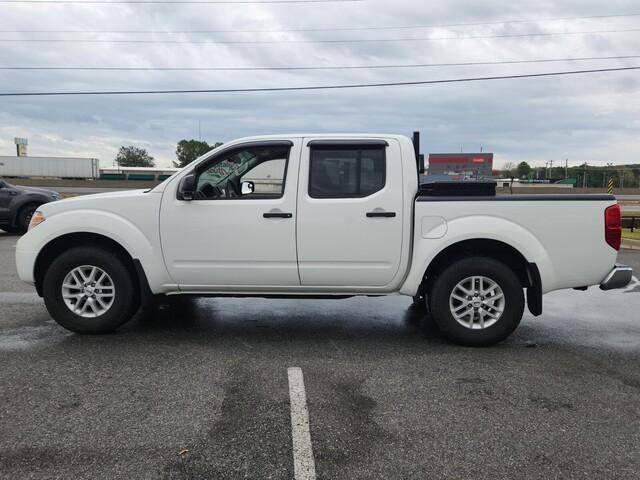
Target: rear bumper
point(618, 277)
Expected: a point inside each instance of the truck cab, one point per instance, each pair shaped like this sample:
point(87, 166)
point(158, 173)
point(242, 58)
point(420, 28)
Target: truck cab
point(339, 229)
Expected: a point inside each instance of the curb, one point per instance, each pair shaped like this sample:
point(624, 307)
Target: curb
point(630, 244)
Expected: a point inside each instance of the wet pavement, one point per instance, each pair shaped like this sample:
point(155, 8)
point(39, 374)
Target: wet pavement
point(199, 390)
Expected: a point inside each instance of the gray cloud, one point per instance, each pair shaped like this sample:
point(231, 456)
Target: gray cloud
point(592, 118)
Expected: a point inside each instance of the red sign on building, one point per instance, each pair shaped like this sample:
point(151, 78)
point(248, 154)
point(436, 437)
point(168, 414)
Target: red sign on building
point(479, 164)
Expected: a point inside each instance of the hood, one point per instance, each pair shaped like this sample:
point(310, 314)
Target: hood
point(41, 191)
point(96, 200)
point(107, 195)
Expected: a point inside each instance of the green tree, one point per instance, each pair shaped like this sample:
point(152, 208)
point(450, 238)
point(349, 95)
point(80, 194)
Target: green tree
point(188, 150)
point(626, 179)
point(134, 157)
point(523, 169)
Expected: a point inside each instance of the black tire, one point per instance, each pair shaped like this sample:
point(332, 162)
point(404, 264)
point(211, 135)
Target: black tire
point(24, 218)
point(125, 302)
point(447, 280)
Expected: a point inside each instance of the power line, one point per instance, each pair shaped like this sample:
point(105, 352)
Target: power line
point(329, 67)
point(319, 87)
point(352, 40)
point(219, 2)
point(336, 29)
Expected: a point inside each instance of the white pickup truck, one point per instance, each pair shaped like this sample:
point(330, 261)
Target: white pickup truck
point(319, 216)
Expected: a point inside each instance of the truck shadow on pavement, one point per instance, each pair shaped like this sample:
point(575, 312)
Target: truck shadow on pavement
point(266, 320)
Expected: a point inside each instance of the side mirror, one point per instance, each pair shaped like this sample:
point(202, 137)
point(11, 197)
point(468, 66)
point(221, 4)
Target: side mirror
point(247, 187)
point(187, 188)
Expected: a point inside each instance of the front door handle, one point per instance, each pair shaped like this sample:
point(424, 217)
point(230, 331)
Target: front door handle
point(277, 215)
point(381, 214)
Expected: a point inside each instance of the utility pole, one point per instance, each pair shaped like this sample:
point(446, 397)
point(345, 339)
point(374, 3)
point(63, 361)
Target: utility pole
point(584, 178)
point(566, 168)
point(199, 132)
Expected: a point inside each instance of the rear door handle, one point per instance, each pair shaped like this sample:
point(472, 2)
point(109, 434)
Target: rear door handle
point(277, 215)
point(381, 214)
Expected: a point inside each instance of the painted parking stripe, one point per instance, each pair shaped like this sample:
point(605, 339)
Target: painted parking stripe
point(304, 467)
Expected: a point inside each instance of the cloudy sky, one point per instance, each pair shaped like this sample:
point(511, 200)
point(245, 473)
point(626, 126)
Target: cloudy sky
point(594, 118)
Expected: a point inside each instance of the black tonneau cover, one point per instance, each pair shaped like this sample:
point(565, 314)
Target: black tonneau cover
point(559, 197)
point(448, 189)
point(486, 191)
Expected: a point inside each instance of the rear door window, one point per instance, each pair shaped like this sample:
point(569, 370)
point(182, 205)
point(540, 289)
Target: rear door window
point(346, 171)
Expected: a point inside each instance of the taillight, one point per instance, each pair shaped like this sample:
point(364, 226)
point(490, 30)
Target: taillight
point(613, 226)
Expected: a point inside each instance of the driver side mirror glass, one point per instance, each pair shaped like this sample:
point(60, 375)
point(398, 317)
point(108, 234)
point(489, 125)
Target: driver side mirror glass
point(247, 188)
point(187, 187)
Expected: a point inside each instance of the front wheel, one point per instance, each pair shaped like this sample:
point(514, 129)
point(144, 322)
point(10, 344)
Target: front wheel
point(24, 218)
point(477, 301)
point(90, 290)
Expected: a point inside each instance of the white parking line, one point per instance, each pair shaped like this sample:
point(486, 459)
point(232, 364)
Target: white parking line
point(304, 467)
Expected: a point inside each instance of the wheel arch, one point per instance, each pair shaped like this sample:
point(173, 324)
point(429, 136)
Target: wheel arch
point(70, 240)
point(527, 272)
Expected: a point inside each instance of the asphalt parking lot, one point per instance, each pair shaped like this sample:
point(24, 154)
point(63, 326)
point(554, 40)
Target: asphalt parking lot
point(200, 390)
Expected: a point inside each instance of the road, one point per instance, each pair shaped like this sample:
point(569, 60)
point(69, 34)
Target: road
point(199, 389)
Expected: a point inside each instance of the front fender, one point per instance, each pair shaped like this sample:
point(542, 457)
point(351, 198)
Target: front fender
point(472, 228)
point(139, 246)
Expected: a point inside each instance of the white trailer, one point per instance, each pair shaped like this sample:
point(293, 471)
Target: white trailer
point(56, 167)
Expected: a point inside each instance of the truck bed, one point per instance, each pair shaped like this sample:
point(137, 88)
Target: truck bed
point(562, 234)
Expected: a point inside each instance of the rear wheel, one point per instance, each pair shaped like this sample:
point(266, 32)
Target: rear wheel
point(90, 290)
point(477, 301)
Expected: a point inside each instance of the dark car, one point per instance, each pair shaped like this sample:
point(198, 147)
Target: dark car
point(17, 205)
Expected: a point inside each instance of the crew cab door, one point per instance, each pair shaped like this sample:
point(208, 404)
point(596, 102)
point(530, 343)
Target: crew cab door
point(350, 212)
point(227, 239)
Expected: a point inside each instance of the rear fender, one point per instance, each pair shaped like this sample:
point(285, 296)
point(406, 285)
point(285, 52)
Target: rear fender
point(472, 228)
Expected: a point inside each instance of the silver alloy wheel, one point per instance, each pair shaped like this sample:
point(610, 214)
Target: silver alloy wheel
point(477, 302)
point(88, 291)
